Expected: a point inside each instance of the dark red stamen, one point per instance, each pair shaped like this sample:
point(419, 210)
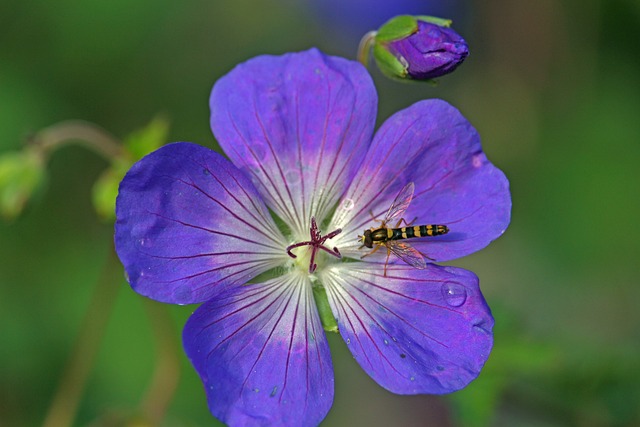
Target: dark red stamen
point(316, 242)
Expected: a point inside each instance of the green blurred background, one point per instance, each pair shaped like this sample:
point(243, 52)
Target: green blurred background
point(553, 88)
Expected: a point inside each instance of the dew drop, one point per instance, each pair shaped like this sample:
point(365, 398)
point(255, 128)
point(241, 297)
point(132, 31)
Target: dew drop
point(412, 378)
point(257, 390)
point(386, 342)
point(274, 391)
point(476, 160)
point(292, 177)
point(402, 355)
point(454, 294)
point(348, 204)
point(205, 171)
point(348, 341)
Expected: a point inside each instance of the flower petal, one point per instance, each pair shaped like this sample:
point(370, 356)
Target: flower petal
point(434, 146)
point(262, 354)
point(299, 125)
point(188, 223)
point(414, 331)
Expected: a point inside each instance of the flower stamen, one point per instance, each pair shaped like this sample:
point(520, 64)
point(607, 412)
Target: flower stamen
point(316, 242)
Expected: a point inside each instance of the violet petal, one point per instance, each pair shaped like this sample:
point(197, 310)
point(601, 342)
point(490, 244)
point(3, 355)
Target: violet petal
point(262, 355)
point(414, 331)
point(299, 126)
point(434, 146)
point(189, 223)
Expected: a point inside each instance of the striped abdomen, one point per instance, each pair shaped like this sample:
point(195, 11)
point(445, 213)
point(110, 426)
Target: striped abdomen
point(416, 231)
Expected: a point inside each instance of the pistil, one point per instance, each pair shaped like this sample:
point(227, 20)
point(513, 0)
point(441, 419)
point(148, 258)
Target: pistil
point(316, 242)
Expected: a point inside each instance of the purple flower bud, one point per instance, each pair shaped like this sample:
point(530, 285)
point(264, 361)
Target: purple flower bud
point(431, 50)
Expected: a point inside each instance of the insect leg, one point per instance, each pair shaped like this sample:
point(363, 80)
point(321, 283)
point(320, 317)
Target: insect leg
point(386, 261)
point(372, 252)
point(407, 224)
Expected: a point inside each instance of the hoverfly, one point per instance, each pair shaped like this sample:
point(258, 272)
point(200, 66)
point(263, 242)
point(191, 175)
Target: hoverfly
point(390, 237)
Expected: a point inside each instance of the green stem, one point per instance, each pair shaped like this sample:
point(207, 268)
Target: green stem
point(364, 48)
point(167, 369)
point(87, 134)
point(63, 408)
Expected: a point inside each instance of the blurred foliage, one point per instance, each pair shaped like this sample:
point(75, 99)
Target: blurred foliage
point(136, 146)
point(553, 88)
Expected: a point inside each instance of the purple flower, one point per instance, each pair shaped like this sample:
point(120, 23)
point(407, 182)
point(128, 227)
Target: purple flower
point(418, 48)
point(194, 227)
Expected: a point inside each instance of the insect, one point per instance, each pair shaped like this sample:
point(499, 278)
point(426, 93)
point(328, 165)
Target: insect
point(390, 238)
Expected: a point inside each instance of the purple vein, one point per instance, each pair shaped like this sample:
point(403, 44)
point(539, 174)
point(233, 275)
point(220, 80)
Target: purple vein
point(397, 315)
point(281, 204)
point(209, 254)
point(254, 269)
point(320, 158)
point(413, 279)
point(297, 217)
point(211, 270)
point(299, 149)
point(365, 311)
point(266, 290)
point(381, 163)
point(341, 302)
point(345, 163)
point(250, 212)
point(298, 290)
point(208, 230)
point(272, 301)
point(273, 329)
point(232, 213)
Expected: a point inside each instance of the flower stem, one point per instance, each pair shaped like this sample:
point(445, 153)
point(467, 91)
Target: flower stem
point(85, 133)
point(365, 47)
point(167, 369)
point(63, 408)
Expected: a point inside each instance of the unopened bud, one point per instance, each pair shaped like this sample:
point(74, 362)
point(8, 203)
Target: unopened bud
point(418, 48)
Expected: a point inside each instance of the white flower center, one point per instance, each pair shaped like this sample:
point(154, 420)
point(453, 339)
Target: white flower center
point(314, 248)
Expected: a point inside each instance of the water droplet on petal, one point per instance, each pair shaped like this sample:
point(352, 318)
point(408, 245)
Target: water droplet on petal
point(454, 294)
point(257, 155)
point(476, 160)
point(347, 204)
point(386, 342)
point(274, 391)
point(348, 341)
point(292, 177)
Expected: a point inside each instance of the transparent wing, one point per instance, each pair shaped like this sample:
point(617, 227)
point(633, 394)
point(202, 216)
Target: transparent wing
point(407, 254)
point(400, 204)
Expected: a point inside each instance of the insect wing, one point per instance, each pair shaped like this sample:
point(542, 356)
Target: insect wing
point(400, 204)
point(407, 254)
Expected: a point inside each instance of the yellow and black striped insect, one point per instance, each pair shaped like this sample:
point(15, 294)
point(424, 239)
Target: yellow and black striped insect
point(390, 238)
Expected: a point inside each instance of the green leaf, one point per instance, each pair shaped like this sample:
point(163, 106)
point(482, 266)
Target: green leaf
point(105, 191)
point(151, 137)
point(434, 20)
point(21, 173)
point(396, 28)
point(388, 63)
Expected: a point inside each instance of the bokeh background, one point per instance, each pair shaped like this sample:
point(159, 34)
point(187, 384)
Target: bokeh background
point(553, 88)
